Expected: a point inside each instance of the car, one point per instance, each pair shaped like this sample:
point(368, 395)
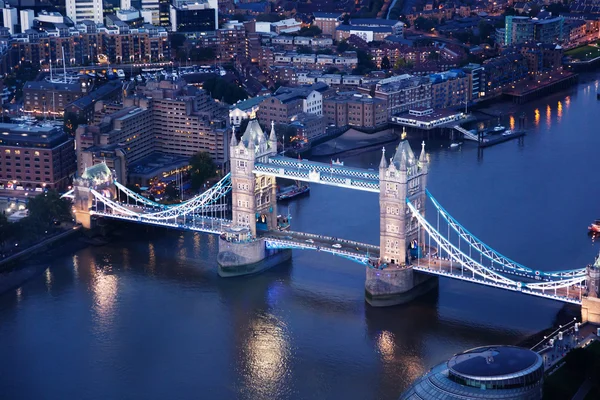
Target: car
point(336, 246)
point(309, 241)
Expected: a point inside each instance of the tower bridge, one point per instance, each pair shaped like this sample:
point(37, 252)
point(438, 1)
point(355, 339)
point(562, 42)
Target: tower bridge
point(412, 251)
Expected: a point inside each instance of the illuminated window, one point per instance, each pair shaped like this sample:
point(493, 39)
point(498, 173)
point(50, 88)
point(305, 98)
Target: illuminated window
point(7, 151)
point(37, 153)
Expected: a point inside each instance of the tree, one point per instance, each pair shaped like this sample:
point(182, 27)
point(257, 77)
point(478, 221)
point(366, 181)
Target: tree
point(48, 207)
point(312, 30)
point(5, 231)
point(202, 168)
point(303, 50)
point(269, 17)
point(365, 63)
point(177, 40)
point(343, 45)
point(424, 24)
point(202, 54)
point(324, 51)
point(220, 89)
point(385, 63)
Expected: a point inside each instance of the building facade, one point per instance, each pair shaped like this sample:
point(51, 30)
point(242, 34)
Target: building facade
point(327, 22)
point(35, 157)
point(79, 10)
point(401, 93)
point(450, 89)
point(354, 109)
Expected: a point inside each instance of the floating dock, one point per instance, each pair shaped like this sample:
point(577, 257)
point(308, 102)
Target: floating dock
point(485, 142)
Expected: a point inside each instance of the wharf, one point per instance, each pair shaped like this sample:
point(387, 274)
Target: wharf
point(501, 139)
point(526, 90)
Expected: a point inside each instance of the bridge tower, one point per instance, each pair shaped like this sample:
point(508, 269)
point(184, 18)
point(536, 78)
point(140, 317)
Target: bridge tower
point(405, 177)
point(590, 304)
point(97, 177)
point(254, 206)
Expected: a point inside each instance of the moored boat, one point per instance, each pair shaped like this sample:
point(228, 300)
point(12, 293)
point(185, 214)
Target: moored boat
point(292, 192)
point(595, 226)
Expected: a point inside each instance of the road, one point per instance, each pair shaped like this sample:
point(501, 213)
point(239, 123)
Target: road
point(320, 242)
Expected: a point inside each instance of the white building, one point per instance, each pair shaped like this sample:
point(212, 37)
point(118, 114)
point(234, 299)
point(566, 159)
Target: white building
point(264, 27)
point(286, 26)
point(313, 103)
point(79, 10)
point(125, 4)
point(246, 109)
point(9, 15)
point(50, 17)
point(150, 16)
point(27, 17)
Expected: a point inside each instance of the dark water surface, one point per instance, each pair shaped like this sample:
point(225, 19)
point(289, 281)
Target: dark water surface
point(146, 317)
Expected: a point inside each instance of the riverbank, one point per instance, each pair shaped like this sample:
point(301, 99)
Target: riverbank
point(354, 142)
point(34, 249)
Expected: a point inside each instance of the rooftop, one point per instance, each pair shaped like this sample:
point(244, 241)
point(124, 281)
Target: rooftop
point(249, 103)
point(43, 136)
point(497, 361)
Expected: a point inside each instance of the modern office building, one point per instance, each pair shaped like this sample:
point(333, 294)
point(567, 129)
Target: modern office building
point(79, 10)
point(160, 11)
point(524, 29)
point(194, 17)
point(494, 372)
point(26, 17)
point(35, 157)
point(10, 19)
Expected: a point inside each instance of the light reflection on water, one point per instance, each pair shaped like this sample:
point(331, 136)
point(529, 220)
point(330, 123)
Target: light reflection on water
point(147, 313)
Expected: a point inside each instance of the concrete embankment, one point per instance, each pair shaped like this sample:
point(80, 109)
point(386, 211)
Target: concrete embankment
point(19, 268)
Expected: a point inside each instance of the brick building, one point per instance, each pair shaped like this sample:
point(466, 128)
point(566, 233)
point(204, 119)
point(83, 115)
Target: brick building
point(35, 157)
point(401, 93)
point(354, 109)
point(327, 22)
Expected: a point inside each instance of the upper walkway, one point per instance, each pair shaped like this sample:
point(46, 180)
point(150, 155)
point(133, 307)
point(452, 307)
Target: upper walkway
point(328, 174)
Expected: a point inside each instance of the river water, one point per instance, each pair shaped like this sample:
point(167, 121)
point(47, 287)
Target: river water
point(147, 317)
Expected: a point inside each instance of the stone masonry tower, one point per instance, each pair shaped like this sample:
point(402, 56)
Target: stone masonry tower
point(254, 206)
point(405, 177)
point(253, 196)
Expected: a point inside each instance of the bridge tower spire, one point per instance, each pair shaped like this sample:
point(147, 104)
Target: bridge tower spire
point(405, 178)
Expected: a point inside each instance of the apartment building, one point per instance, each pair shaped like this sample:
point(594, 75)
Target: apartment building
point(450, 88)
point(355, 109)
point(401, 93)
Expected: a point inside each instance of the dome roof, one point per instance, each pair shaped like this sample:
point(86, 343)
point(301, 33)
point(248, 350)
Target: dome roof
point(496, 361)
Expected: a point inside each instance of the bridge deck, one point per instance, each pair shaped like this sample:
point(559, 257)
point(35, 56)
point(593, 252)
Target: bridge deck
point(327, 174)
